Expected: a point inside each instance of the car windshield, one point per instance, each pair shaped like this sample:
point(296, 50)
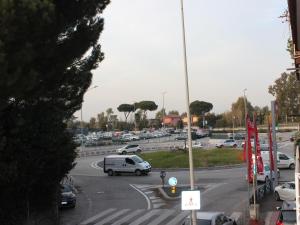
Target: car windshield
point(289, 216)
point(137, 159)
point(66, 188)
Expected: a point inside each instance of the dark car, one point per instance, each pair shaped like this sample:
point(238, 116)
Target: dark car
point(287, 213)
point(68, 197)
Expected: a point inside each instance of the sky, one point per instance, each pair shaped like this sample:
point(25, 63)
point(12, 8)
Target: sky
point(232, 45)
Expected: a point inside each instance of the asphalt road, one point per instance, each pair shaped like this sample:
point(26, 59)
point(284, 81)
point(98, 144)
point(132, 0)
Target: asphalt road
point(105, 200)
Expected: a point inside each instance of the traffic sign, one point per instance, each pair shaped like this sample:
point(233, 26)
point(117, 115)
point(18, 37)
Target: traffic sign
point(190, 200)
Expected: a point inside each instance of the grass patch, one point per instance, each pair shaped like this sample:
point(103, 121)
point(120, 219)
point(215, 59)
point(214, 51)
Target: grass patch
point(202, 158)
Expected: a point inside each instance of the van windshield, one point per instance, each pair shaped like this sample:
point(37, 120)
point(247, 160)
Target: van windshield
point(137, 159)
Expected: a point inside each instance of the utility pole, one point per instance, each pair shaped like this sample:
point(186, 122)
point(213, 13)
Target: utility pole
point(255, 172)
point(297, 177)
point(163, 110)
point(273, 111)
point(193, 212)
point(247, 149)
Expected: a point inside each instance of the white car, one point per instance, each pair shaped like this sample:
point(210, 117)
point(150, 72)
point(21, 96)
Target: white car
point(227, 143)
point(197, 144)
point(129, 149)
point(210, 218)
point(266, 174)
point(285, 192)
point(130, 137)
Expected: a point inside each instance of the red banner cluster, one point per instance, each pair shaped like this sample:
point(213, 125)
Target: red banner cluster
point(252, 132)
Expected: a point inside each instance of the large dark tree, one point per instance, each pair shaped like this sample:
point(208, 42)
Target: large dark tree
point(146, 106)
point(47, 51)
point(200, 107)
point(287, 93)
point(126, 109)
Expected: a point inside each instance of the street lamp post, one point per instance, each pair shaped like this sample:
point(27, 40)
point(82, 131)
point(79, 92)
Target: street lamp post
point(81, 117)
point(233, 119)
point(247, 149)
point(191, 166)
point(163, 109)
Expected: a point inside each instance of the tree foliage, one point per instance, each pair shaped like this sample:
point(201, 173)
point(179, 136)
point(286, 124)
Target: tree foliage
point(173, 112)
point(200, 107)
point(287, 93)
point(146, 106)
point(126, 109)
point(238, 110)
point(47, 51)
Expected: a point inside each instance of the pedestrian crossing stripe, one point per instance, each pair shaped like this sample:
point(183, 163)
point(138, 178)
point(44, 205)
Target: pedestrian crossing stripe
point(113, 216)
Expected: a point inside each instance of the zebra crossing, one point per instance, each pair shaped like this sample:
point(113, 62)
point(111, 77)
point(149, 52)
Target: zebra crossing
point(150, 193)
point(113, 216)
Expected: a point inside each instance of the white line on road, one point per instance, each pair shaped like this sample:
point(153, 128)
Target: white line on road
point(145, 196)
point(97, 216)
point(95, 165)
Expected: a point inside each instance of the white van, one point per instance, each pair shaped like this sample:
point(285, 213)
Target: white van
point(115, 164)
point(283, 160)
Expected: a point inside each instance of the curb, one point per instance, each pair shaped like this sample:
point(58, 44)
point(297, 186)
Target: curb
point(200, 168)
point(167, 197)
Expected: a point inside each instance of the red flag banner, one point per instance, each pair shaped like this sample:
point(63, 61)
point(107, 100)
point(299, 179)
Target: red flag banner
point(249, 130)
point(259, 161)
point(271, 148)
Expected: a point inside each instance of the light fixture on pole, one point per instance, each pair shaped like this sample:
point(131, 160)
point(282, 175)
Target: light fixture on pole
point(191, 166)
point(81, 117)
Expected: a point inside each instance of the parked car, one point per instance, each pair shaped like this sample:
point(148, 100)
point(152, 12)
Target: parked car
point(115, 164)
point(68, 197)
point(210, 218)
point(227, 143)
point(285, 192)
point(129, 149)
point(266, 174)
point(130, 137)
point(287, 213)
point(283, 160)
point(197, 144)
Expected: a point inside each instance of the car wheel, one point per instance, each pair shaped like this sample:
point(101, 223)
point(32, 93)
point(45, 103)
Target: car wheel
point(234, 146)
point(110, 173)
point(277, 197)
point(138, 151)
point(138, 173)
point(124, 153)
point(292, 166)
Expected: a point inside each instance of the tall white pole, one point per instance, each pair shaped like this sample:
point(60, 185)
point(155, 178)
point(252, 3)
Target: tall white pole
point(247, 150)
point(193, 216)
point(163, 116)
point(273, 111)
point(297, 176)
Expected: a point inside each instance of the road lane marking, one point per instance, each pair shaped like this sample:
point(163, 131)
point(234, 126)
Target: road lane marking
point(128, 217)
point(166, 213)
point(145, 217)
point(179, 218)
point(97, 216)
point(95, 165)
point(112, 217)
point(145, 196)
